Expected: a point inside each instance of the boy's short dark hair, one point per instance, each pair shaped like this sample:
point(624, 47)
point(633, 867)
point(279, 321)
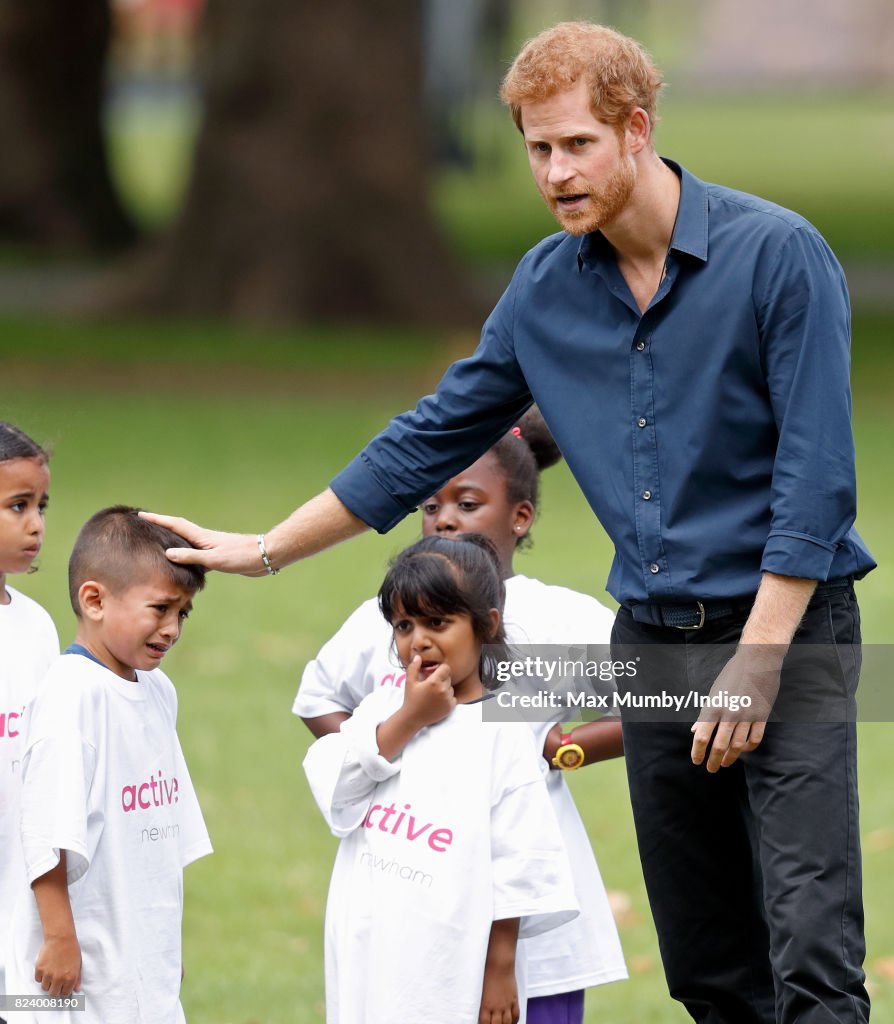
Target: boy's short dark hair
point(116, 547)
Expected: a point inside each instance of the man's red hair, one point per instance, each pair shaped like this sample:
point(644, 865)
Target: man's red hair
point(620, 75)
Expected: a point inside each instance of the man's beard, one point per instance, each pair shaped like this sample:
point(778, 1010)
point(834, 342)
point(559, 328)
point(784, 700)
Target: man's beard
point(604, 204)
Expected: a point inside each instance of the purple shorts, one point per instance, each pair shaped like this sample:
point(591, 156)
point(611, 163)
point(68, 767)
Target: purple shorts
point(564, 1008)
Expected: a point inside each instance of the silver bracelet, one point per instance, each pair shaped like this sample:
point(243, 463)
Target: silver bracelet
point(265, 558)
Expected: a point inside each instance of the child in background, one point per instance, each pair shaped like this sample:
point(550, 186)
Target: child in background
point(450, 850)
point(109, 815)
point(498, 497)
point(28, 641)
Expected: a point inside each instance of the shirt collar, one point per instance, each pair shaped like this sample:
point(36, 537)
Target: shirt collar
point(77, 648)
point(690, 231)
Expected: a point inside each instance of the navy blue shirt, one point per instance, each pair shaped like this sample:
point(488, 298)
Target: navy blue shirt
point(711, 434)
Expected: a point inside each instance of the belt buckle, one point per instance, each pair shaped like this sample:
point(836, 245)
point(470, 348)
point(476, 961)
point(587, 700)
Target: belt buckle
point(701, 618)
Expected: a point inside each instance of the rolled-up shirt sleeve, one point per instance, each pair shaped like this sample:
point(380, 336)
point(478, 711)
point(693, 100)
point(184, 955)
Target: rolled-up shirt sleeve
point(710, 434)
point(805, 330)
point(476, 402)
point(343, 768)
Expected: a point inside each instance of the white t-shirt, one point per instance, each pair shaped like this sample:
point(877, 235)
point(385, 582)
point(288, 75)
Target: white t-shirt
point(28, 645)
point(103, 777)
point(359, 659)
point(454, 834)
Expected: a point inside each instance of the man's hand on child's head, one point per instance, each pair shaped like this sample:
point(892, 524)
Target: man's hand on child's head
point(213, 549)
point(429, 698)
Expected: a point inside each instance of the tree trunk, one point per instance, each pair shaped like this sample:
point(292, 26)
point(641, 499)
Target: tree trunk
point(55, 188)
point(308, 195)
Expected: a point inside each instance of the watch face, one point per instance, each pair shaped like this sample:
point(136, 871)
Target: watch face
point(570, 756)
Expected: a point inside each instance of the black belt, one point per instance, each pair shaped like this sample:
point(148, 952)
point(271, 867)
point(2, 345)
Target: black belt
point(694, 614)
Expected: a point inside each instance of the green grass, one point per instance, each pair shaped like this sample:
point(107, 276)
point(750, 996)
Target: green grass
point(125, 427)
point(128, 343)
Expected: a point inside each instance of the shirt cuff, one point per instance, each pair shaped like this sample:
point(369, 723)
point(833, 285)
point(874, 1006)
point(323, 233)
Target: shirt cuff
point(360, 732)
point(360, 491)
point(787, 553)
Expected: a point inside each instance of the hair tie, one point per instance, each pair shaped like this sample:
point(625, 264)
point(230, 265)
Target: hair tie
point(517, 431)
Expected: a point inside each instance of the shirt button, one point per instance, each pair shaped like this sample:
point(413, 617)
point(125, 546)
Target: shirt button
point(654, 568)
point(640, 345)
point(641, 422)
point(647, 495)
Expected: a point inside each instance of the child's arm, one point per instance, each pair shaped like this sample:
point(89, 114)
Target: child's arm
point(345, 670)
point(344, 768)
point(58, 966)
point(426, 701)
point(499, 997)
point(600, 741)
point(322, 725)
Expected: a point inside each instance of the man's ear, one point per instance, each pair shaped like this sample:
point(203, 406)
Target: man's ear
point(638, 131)
point(91, 597)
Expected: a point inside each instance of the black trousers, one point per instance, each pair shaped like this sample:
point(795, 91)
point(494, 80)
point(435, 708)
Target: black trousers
point(754, 873)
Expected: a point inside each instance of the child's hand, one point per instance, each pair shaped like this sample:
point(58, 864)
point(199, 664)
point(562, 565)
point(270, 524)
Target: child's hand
point(58, 966)
point(428, 699)
point(499, 996)
point(499, 999)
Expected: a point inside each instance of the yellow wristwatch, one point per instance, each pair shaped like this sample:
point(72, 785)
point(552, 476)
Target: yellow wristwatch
point(569, 756)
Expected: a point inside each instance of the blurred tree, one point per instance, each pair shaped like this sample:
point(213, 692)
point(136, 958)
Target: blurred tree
point(458, 37)
point(308, 194)
point(55, 188)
